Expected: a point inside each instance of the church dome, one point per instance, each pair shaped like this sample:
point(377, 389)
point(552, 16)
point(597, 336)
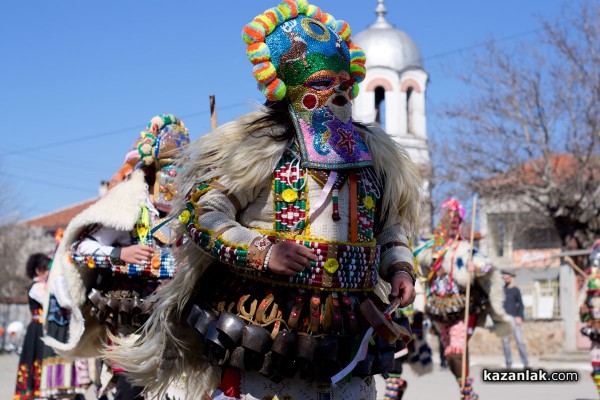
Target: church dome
point(386, 46)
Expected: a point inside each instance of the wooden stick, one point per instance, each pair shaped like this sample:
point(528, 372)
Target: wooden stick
point(468, 295)
point(213, 111)
point(570, 261)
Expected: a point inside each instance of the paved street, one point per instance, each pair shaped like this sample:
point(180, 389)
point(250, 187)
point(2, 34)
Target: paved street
point(439, 384)
point(8, 375)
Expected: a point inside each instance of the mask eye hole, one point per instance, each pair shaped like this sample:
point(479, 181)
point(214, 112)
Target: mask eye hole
point(321, 84)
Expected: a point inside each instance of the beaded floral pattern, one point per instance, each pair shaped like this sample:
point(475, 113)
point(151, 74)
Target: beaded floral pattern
point(291, 194)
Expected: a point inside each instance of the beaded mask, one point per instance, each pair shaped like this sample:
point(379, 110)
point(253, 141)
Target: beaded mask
point(449, 226)
point(305, 56)
point(155, 151)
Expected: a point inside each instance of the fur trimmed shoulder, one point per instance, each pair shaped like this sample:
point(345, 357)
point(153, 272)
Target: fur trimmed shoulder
point(393, 165)
point(241, 150)
point(119, 210)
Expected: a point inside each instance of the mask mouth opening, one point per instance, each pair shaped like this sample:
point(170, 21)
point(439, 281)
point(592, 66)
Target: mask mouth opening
point(340, 100)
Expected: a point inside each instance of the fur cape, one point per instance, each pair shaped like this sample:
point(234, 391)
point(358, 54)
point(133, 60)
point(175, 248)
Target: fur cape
point(119, 210)
point(491, 283)
point(247, 154)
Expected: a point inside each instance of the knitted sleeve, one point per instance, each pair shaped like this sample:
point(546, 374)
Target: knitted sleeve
point(210, 219)
point(396, 251)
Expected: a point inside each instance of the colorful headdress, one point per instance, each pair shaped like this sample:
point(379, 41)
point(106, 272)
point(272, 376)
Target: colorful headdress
point(317, 38)
point(157, 145)
point(453, 205)
point(445, 229)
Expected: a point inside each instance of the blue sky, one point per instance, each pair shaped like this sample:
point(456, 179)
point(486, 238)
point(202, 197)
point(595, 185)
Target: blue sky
point(80, 80)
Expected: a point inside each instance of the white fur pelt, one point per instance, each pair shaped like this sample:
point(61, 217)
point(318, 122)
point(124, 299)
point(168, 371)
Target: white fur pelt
point(119, 210)
point(491, 282)
point(247, 154)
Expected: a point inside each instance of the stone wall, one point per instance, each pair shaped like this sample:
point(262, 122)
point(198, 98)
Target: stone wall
point(542, 338)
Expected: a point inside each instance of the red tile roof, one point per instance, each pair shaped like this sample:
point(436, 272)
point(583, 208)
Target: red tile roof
point(563, 168)
point(59, 218)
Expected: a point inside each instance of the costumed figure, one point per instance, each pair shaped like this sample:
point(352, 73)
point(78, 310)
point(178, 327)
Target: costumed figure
point(294, 214)
point(62, 378)
point(119, 250)
point(444, 260)
point(589, 311)
point(30, 362)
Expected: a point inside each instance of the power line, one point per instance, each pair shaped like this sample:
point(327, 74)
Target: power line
point(104, 134)
point(46, 183)
point(478, 45)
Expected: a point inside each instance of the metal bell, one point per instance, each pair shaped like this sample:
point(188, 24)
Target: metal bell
point(125, 311)
point(194, 314)
point(256, 338)
point(95, 297)
point(236, 360)
point(230, 326)
point(267, 369)
point(307, 345)
point(201, 320)
point(214, 350)
point(102, 309)
point(285, 343)
point(137, 306)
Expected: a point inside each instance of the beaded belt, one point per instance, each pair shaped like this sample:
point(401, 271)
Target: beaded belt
point(340, 267)
point(161, 266)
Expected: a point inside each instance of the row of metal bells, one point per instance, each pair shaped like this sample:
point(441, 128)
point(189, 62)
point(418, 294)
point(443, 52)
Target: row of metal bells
point(127, 310)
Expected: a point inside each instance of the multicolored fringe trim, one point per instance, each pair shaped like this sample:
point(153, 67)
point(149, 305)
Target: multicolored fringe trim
point(467, 392)
point(394, 387)
point(162, 265)
point(596, 374)
point(259, 54)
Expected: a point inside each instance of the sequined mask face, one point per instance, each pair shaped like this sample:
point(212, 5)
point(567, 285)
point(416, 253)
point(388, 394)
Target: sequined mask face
point(324, 89)
point(313, 61)
point(306, 56)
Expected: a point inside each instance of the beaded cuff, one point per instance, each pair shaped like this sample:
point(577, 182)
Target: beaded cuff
point(258, 253)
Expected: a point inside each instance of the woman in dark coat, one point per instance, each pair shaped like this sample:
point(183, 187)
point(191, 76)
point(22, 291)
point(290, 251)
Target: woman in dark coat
point(30, 363)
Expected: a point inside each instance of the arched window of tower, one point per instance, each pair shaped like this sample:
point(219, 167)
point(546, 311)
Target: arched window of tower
point(380, 106)
point(409, 110)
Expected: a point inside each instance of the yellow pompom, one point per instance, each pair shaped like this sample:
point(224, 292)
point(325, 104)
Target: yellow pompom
point(331, 265)
point(289, 195)
point(91, 263)
point(184, 217)
point(368, 202)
